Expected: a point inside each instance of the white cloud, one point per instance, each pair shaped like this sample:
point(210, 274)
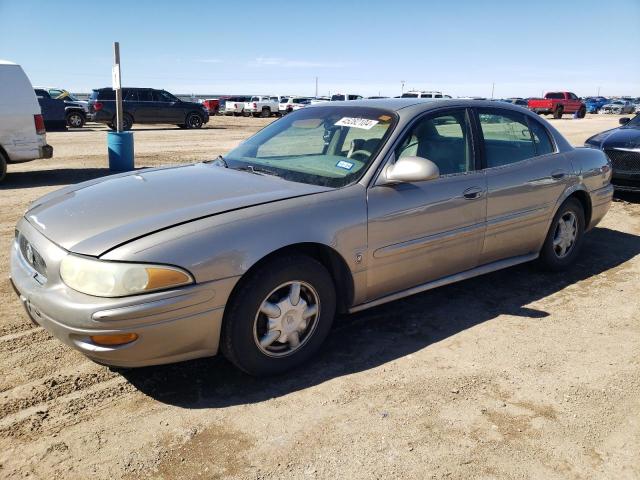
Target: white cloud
point(287, 63)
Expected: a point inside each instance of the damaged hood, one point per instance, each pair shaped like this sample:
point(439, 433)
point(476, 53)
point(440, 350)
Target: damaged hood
point(93, 217)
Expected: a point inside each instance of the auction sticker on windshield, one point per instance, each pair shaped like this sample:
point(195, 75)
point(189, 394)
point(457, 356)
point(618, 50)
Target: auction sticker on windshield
point(363, 123)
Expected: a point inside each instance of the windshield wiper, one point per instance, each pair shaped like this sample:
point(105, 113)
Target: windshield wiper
point(257, 170)
point(219, 161)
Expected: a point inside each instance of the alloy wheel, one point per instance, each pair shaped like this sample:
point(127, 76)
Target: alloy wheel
point(565, 234)
point(286, 319)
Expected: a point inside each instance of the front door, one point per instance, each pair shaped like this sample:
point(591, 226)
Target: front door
point(418, 232)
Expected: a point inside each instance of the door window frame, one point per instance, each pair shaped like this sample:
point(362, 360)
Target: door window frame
point(482, 158)
point(391, 156)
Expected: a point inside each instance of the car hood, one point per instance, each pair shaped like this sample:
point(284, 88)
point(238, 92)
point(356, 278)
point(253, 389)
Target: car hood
point(93, 217)
point(617, 138)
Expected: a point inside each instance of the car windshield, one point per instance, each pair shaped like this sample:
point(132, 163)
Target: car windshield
point(633, 123)
point(326, 146)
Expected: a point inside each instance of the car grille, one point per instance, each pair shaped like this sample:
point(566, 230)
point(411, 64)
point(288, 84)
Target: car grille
point(624, 160)
point(31, 256)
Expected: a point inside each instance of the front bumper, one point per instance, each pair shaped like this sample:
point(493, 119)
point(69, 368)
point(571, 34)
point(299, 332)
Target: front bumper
point(172, 326)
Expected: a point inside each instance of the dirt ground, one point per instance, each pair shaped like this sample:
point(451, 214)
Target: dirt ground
point(515, 375)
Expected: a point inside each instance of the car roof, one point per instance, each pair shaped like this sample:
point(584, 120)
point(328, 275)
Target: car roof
point(6, 62)
point(414, 105)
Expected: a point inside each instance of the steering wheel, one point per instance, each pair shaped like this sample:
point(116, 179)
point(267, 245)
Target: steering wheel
point(363, 153)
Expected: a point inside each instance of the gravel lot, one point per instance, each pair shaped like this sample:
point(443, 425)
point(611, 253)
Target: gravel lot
point(517, 374)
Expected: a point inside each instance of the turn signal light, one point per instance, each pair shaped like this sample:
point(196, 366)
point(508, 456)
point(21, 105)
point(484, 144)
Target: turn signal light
point(114, 339)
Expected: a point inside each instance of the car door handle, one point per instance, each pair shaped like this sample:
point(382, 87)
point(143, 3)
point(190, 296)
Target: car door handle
point(558, 174)
point(472, 193)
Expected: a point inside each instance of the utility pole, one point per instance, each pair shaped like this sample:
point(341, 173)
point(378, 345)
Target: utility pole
point(316, 87)
point(493, 87)
point(598, 91)
point(402, 83)
point(117, 85)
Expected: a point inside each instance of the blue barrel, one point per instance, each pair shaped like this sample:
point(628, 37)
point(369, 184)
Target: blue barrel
point(120, 146)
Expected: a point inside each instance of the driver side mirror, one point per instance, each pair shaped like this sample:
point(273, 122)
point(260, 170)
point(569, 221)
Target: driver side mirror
point(624, 120)
point(411, 169)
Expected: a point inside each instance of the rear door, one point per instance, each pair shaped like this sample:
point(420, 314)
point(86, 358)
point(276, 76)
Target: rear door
point(423, 231)
point(146, 110)
point(525, 178)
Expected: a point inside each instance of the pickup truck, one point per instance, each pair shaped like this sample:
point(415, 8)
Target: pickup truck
point(261, 106)
point(557, 104)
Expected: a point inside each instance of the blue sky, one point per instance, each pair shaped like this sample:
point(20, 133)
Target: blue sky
point(278, 47)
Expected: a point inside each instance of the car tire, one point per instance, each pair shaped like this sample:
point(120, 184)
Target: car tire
point(258, 348)
point(194, 120)
point(75, 120)
point(582, 112)
point(3, 166)
point(266, 112)
point(557, 113)
point(553, 256)
point(127, 123)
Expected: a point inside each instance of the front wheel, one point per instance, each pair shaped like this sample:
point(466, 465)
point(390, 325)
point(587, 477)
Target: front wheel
point(75, 120)
point(280, 316)
point(194, 120)
point(582, 112)
point(564, 239)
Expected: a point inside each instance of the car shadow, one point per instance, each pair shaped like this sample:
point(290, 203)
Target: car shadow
point(380, 335)
point(631, 197)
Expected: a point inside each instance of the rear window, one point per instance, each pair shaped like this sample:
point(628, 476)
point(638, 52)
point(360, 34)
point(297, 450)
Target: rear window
point(106, 94)
point(555, 95)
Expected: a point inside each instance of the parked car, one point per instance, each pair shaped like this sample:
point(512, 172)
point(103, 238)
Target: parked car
point(145, 105)
point(234, 105)
point(337, 207)
point(594, 104)
point(423, 94)
point(521, 102)
point(288, 105)
point(212, 105)
point(557, 104)
point(313, 101)
point(622, 146)
point(63, 111)
point(341, 97)
point(22, 131)
point(262, 106)
point(53, 113)
point(619, 107)
point(62, 94)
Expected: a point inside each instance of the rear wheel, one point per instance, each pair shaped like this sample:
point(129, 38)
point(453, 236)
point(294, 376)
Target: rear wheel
point(75, 120)
point(282, 317)
point(127, 122)
point(564, 239)
point(3, 166)
point(266, 112)
point(557, 113)
point(194, 120)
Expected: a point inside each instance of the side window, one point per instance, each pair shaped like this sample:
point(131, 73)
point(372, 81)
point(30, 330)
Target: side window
point(573, 96)
point(42, 93)
point(131, 96)
point(161, 96)
point(107, 94)
point(55, 93)
point(445, 139)
point(540, 138)
point(145, 96)
point(507, 138)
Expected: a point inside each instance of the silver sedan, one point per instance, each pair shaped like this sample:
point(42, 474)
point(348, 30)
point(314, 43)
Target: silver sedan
point(335, 208)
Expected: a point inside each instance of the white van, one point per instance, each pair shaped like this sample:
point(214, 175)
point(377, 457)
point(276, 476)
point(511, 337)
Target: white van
point(424, 94)
point(22, 133)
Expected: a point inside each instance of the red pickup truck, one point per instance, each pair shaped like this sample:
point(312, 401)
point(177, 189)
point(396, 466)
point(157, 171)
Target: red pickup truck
point(558, 103)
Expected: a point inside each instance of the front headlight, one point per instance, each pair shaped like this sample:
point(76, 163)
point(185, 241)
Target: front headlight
point(115, 279)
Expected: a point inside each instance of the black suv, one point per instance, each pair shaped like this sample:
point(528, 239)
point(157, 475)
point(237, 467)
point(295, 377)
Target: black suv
point(145, 105)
